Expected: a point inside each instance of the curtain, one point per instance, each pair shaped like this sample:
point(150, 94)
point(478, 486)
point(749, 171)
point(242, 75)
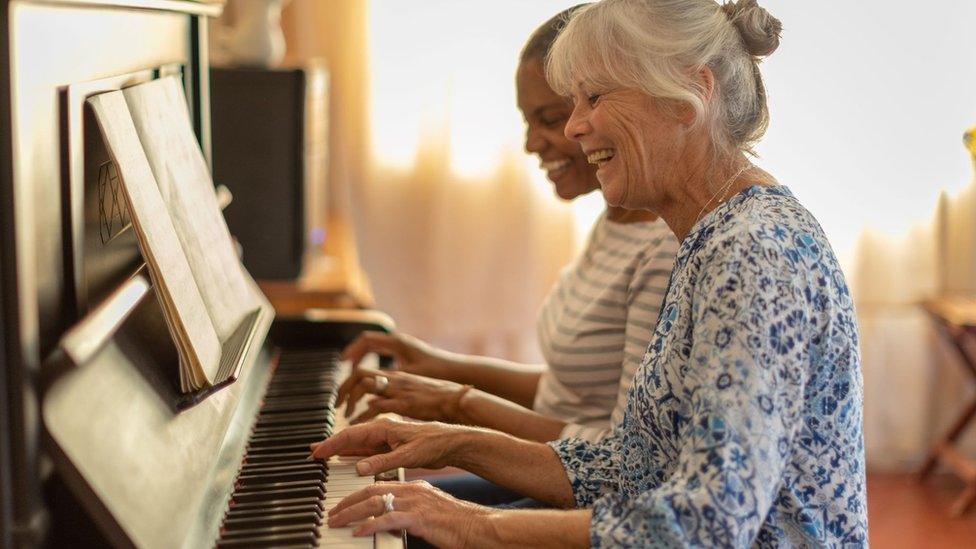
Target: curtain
point(460, 259)
point(914, 383)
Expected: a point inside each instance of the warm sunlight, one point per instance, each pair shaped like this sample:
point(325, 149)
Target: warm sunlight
point(450, 74)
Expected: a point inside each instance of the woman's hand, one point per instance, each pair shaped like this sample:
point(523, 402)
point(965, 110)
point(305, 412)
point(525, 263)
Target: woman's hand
point(393, 444)
point(418, 508)
point(406, 394)
point(409, 353)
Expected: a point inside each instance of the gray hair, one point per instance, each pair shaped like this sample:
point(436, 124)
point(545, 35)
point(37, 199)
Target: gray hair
point(659, 47)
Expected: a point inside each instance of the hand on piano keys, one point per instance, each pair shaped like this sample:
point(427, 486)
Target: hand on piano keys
point(405, 394)
point(418, 507)
point(280, 496)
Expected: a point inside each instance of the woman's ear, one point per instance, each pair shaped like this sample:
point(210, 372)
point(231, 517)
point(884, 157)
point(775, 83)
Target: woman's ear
point(705, 83)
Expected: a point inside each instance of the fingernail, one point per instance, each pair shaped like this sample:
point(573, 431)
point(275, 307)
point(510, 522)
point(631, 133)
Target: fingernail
point(358, 532)
point(310, 458)
point(364, 467)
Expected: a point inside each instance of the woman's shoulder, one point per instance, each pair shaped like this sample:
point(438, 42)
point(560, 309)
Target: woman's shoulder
point(763, 213)
point(767, 225)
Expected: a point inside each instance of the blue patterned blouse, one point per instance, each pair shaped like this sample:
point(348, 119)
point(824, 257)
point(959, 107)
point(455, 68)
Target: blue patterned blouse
point(744, 420)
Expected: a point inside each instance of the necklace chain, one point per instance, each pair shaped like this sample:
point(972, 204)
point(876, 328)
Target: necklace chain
point(724, 189)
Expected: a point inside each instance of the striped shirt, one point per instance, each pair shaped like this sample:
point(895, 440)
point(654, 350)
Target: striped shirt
point(597, 321)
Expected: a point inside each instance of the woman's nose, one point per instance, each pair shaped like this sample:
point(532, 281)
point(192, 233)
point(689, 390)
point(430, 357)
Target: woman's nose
point(577, 125)
point(534, 142)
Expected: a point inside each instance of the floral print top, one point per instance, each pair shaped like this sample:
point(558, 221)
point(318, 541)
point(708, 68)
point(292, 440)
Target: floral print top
point(743, 426)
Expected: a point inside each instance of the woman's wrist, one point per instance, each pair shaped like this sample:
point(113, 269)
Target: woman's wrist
point(441, 365)
point(489, 529)
point(453, 408)
point(466, 444)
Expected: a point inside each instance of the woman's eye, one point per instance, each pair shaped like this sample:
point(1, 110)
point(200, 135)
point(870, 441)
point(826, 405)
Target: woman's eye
point(553, 121)
point(593, 98)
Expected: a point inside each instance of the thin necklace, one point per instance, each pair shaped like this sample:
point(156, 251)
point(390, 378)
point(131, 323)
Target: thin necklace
point(723, 190)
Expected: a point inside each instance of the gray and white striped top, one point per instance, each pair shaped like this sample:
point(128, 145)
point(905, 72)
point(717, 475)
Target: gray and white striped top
point(597, 321)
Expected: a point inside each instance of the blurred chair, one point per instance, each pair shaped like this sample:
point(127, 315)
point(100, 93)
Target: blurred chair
point(955, 318)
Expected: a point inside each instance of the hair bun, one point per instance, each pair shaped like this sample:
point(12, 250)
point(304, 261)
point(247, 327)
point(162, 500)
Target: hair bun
point(759, 30)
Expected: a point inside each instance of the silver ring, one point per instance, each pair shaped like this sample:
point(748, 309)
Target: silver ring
point(387, 503)
point(382, 382)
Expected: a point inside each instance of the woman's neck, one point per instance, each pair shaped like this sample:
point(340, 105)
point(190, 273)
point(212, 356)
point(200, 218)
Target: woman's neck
point(704, 190)
point(625, 216)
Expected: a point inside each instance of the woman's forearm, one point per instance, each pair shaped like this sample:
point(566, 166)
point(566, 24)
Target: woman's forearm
point(529, 468)
point(486, 410)
point(509, 380)
point(535, 528)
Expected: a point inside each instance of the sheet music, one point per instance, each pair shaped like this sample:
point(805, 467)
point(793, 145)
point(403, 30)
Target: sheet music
point(198, 344)
point(159, 111)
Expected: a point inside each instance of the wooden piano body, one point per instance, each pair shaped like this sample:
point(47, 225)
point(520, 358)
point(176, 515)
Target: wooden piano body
point(88, 386)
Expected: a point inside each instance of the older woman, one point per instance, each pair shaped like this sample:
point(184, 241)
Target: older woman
point(743, 425)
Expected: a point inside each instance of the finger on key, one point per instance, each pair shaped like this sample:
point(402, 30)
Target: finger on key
point(372, 342)
point(373, 506)
point(375, 489)
point(366, 385)
point(379, 406)
point(397, 520)
point(354, 440)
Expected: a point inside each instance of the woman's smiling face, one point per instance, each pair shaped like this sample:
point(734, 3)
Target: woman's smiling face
point(633, 140)
point(545, 115)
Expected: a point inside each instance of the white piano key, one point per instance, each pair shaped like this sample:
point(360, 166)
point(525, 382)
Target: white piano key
point(342, 481)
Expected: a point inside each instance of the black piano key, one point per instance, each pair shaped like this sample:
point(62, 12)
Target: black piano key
point(305, 539)
point(320, 430)
point(313, 500)
point(282, 457)
point(320, 381)
point(284, 407)
point(251, 496)
point(270, 531)
point(261, 469)
point(272, 429)
point(277, 519)
point(285, 441)
point(286, 375)
point(304, 390)
point(274, 510)
point(253, 481)
point(285, 448)
point(294, 418)
point(280, 481)
point(288, 396)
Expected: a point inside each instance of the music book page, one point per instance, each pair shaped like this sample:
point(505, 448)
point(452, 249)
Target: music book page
point(198, 344)
point(159, 112)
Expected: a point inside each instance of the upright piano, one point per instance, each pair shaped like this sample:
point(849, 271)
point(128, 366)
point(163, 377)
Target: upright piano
point(97, 444)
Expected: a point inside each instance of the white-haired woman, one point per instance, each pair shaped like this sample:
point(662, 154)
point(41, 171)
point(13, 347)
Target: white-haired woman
point(743, 426)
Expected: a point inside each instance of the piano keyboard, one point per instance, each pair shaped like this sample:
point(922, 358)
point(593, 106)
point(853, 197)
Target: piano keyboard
point(280, 499)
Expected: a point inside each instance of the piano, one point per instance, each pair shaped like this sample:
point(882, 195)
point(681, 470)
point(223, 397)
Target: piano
point(98, 447)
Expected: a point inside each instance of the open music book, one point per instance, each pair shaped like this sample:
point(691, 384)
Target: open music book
point(206, 295)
